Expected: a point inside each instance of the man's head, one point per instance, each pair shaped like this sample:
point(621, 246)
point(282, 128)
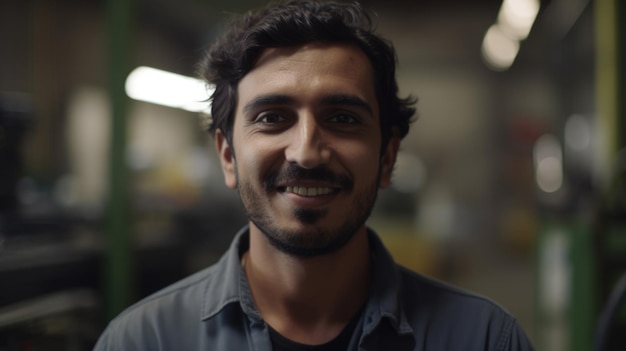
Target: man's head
point(294, 23)
point(306, 121)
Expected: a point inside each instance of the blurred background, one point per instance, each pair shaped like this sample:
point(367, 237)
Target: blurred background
point(511, 183)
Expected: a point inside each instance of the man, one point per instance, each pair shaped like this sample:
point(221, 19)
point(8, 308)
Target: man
point(307, 124)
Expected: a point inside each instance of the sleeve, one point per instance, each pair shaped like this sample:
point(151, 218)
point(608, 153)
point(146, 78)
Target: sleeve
point(127, 333)
point(515, 339)
point(132, 330)
point(104, 343)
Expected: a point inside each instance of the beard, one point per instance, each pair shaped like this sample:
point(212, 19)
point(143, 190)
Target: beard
point(316, 239)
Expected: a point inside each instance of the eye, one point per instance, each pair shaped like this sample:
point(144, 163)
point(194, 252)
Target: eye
point(344, 118)
point(270, 118)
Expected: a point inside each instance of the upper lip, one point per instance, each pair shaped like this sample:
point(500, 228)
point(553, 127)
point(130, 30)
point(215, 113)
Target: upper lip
point(308, 184)
point(309, 187)
point(310, 191)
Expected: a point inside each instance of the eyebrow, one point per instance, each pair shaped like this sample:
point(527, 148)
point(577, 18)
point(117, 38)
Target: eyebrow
point(334, 99)
point(266, 100)
point(345, 99)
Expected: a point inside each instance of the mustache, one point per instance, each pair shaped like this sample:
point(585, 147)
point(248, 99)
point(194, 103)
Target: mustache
point(295, 173)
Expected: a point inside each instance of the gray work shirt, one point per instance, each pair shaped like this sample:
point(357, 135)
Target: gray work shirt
point(214, 310)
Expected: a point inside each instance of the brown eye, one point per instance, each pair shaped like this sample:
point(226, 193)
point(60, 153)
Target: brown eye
point(344, 118)
point(271, 118)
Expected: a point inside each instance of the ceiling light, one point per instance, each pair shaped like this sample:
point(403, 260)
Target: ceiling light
point(498, 49)
point(517, 17)
point(168, 89)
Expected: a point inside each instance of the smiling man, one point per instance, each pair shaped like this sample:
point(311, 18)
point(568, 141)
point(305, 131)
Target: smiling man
point(305, 147)
point(307, 123)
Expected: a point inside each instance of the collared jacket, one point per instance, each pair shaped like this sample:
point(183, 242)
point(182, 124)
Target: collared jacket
point(214, 310)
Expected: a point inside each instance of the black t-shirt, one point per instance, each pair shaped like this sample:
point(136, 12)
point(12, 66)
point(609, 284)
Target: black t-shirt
point(340, 343)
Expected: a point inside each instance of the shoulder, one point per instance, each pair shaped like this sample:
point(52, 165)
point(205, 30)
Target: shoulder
point(184, 294)
point(145, 324)
point(441, 295)
point(445, 314)
point(173, 318)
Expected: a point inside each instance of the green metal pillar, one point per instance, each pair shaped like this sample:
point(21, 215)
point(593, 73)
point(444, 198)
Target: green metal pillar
point(609, 76)
point(567, 283)
point(583, 307)
point(611, 101)
point(118, 267)
point(620, 42)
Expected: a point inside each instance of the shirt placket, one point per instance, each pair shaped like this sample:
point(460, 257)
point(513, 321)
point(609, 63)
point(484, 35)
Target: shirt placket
point(257, 330)
point(258, 335)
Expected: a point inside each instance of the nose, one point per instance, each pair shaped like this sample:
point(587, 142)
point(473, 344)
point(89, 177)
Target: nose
point(307, 146)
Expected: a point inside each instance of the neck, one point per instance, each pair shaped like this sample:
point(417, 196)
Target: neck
point(309, 300)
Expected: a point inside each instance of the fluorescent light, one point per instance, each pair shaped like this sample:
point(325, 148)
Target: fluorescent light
point(168, 89)
point(498, 49)
point(517, 17)
point(502, 40)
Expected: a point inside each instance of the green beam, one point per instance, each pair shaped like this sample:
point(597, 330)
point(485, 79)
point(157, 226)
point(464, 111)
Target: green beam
point(118, 267)
point(608, 73)
point(620, 28)
point(584, 285)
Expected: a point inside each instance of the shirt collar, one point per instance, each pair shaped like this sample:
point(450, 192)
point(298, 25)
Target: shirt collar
point(229, 285)
point(384, 300)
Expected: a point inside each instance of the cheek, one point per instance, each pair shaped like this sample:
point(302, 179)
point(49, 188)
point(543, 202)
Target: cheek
point(253, 162)
point(363, 161)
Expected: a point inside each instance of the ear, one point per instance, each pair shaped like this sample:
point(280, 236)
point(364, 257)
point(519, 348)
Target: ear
point(388, 161)
point(227, 159)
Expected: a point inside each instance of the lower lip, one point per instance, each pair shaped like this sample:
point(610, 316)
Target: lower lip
point(309, 201)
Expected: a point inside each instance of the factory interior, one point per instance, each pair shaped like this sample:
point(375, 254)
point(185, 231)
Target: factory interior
point(511, 183)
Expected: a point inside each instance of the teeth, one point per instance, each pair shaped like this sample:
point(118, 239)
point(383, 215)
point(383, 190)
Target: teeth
point(308, 191)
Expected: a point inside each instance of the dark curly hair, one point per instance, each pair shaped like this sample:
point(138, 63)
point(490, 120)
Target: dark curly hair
point(294, 23)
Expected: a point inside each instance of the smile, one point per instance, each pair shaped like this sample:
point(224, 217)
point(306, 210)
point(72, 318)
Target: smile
point(309, 191)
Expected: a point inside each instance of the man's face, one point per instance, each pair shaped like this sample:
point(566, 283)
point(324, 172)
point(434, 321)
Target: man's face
point(306, 146)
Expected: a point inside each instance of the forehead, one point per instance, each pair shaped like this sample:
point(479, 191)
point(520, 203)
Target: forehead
point(319, 55)
point(310, 71)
